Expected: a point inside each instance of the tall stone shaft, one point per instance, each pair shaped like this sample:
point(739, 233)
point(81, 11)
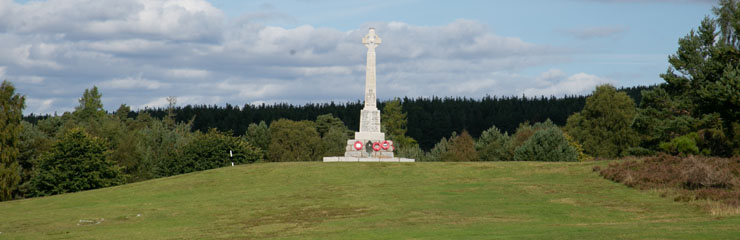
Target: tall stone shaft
point(370, 87)
point(370, 115)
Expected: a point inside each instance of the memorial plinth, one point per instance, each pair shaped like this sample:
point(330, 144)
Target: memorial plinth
point(369, 144)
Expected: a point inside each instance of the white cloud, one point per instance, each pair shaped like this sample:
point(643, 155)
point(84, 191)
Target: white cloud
point(556, 85)
point(40, 105)
point(189, 49)
point(181, 100)
point(596, 32)
point(131, 83)
point(188, 73)
point(29, 79)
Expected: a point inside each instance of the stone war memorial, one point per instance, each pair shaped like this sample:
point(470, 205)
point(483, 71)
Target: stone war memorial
point(369, 144)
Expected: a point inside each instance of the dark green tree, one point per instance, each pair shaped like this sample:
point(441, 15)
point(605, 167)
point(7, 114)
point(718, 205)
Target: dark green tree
point(122, 113)
point(701, 93)
point(491, 145)
point(604, 126)
point(438, 152)
point(394, 123)
point(326, 122)
point(160, 146)
point(33, 143)
point(76, 162)
point(259, 135)
point(294, 141)
point(334, 141)
point(11, 107)
point(91, 107)
point(334, 134)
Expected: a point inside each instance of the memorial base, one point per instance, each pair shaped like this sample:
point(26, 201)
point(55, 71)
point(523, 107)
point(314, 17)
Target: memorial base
point(355, 159)
point(365, 150)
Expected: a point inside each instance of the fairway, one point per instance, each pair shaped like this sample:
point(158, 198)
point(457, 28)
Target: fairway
point(315, 200)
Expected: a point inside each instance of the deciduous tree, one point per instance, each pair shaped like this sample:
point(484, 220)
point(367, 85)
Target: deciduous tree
point(294, 141)
point(76, 162)
point(11, 107)
point(604, 126)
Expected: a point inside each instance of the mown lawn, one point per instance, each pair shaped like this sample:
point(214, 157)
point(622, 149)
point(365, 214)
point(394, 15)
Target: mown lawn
point(368, 200)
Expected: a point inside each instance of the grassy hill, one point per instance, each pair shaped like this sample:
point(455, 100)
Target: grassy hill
point(368, 200)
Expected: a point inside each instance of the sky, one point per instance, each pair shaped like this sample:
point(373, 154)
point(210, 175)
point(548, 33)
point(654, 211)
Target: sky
point(139, 52)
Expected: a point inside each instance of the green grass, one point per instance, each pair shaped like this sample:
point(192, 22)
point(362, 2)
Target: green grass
point(368, 200)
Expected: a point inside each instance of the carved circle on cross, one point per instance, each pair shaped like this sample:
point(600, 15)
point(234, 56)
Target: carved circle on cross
point(371, 40)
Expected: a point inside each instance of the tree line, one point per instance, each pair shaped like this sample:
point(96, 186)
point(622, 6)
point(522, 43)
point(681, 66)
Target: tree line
point(429, 119)
point(695, 112)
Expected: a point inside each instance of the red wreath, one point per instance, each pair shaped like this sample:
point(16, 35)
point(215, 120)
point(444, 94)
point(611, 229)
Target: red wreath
point(386, 145)
point(376, 146)
point(358, 145)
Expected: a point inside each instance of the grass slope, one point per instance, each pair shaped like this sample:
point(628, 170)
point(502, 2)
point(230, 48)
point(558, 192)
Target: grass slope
point(367, 200)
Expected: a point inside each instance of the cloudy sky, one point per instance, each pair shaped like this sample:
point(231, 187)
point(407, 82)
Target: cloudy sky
point(138, 52)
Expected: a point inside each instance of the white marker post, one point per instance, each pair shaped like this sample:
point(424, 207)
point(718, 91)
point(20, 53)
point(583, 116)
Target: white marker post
point(231, 156)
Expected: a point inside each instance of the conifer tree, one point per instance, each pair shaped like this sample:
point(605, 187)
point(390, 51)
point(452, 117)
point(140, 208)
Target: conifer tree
point(701, 93)
point(394, 123)
point(91, 107)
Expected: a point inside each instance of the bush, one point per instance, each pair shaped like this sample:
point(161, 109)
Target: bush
point(692, 177)
point(413, 152)
point(211, 150)
point(582, 156)
point(491, 145)
point(439, 150)
point(294, 141)
point(639, 152)
point(683, 145)
point(700, 174)
point(546, 145)
point(76, 162)
point(461, 149)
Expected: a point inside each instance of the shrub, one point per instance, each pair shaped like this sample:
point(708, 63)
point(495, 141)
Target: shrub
point(413, 152)
point(211, 150)
point(700, 174)
point(639, 151)
point(439, 150)
point(523, 133)
point(582, 156)
point(683, 145)
point(693, 177)
point(546, 145)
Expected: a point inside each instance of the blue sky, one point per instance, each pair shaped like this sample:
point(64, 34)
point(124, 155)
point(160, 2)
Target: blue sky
point(139, 52)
